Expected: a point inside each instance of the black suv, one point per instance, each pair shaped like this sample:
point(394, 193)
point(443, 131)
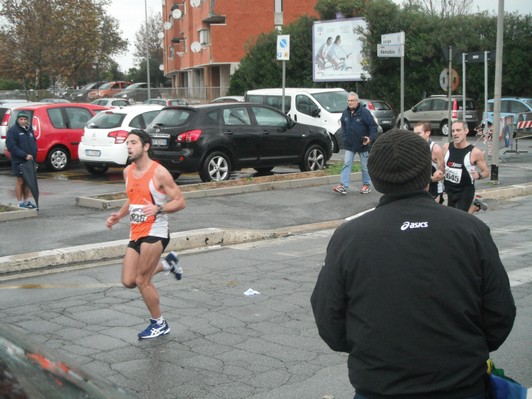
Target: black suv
point(216, 139)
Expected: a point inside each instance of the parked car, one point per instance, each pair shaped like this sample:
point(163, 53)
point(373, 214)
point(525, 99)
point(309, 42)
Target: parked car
point(6, 109)
point(80, 95)
point(314, 106)
point(29, 369)
point(382, 111)
point(167, 102)
point(103, 143)
point(511, 106)
point(228, 99)
point(435, 109)
point(107, 90)
point(137, 92)
point(111, 102)
point(55, 100)
point(216, 139)
point(58, 129)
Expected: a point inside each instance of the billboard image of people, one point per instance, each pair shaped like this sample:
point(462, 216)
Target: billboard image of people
point(337, 49)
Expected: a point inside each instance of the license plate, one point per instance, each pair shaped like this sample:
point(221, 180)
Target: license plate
point(159, 142)
point(93, 153)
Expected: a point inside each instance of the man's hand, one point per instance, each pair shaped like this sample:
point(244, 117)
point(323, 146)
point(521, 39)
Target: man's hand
point(112, 220)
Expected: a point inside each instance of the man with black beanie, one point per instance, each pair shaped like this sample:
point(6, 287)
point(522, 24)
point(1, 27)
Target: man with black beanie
point(414, 292)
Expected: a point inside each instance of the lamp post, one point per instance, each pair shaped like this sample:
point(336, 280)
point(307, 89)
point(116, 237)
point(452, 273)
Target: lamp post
point(147, 47)
point(97, 64)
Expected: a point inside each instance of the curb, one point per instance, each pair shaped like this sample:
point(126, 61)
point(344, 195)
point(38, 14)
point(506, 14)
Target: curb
point(201, 238)
point(91, 202)
point(17, 213)
point(180, 241)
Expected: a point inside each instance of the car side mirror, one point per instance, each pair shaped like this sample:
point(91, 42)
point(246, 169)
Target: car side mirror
point(315, 113)
point(414, 109)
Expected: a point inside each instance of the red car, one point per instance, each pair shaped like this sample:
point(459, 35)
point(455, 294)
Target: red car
point(108, 89)
point(58, 129)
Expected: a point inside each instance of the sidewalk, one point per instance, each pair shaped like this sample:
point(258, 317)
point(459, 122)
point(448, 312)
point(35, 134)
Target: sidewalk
point(64, 233)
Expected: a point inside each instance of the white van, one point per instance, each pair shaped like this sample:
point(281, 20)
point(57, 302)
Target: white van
point(317, 107)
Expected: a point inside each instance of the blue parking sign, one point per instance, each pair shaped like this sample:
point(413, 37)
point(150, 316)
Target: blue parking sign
point(283, 47)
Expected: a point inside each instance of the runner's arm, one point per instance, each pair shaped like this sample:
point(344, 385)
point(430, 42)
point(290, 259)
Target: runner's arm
point(480, 161)
point(124, 210)
point(166, 183)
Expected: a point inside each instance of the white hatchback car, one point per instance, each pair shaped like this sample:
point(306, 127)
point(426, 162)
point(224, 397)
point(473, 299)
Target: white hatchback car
point(103, 144)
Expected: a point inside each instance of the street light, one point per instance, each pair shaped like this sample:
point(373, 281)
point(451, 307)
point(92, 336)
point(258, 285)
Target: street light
point(147, 47)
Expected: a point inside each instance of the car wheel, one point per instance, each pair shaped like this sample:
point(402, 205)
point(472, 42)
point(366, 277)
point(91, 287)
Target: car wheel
point(444, 127)
point(96, 170)
point(335, 144)
point(314, 159)
point(216, 167)
point(57, 159)
point(264, 170)
point(404, 126)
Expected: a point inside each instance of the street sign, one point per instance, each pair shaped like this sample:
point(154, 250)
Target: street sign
point(392, 50)
point(393, 38)
point(283, 47)
point(478, 56)
point(444, 79)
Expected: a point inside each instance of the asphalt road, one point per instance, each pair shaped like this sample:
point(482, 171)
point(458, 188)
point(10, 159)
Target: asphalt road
point(224, 344)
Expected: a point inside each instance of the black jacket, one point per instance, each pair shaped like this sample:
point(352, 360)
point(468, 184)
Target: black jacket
point(417, 295)
point(21, 142)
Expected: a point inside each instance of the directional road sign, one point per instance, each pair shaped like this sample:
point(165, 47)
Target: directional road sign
point(391, 50)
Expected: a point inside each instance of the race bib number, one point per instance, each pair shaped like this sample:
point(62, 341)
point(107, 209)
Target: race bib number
point(136, 214)
point(454, 175)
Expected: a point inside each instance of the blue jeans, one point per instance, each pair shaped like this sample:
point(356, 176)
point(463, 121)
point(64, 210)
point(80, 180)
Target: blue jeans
point(345, 174)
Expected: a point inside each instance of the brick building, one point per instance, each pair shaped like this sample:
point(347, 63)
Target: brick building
point(204, 39)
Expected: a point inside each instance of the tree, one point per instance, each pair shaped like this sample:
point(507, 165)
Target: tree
point(57, 38)
point(427, 35)
point(259, 67)
point(444, 8)
point(147, 41)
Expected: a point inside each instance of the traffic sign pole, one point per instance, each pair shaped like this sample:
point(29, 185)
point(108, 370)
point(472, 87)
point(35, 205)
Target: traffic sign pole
point(283, 55)
point(450, 92)
point(464, 108)
point(393, 45)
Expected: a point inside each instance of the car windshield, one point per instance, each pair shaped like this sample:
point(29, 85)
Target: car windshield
point(333, 101)
point(106, 85)
point(137, 86)
point(173, 117)
point(106, 120)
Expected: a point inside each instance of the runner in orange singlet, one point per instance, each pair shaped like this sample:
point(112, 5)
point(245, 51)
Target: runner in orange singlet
point(152, 194)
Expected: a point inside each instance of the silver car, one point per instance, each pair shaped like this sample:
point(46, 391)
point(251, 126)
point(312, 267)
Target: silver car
point(435, 109)
point(381, 110)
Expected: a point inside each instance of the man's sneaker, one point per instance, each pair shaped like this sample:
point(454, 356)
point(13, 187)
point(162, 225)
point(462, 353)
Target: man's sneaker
point(365, 189)
point(340, 189)
point(154, 330)
point(22, 205)
point(29, 205)
point(170, 265)
point(480, 203)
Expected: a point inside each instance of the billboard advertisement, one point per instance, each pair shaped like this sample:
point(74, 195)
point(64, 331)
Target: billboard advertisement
point(337, 50)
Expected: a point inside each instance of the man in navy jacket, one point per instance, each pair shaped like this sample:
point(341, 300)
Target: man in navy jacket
point(414, 292)
point(359, 130)
point(22, 146)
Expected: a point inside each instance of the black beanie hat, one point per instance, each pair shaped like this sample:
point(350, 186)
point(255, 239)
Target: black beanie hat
point(400, 161)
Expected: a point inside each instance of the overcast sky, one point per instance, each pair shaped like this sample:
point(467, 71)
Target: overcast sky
point(131, 15)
